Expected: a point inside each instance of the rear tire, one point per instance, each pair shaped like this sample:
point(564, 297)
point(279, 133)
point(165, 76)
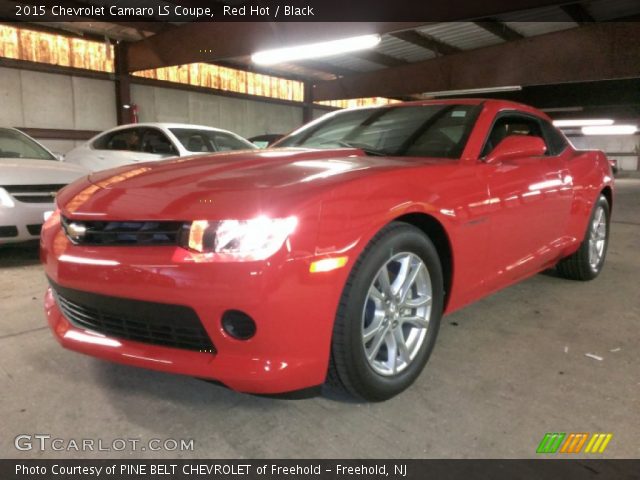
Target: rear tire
point(389, 315)
point(587, 262)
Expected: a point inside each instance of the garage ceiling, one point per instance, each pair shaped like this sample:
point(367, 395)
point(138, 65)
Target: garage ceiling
point(405, 47)
point(400, 45)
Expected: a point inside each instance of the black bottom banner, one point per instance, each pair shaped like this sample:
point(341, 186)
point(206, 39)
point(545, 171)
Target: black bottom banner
point(320, 469)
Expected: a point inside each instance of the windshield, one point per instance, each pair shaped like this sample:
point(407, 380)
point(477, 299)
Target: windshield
point(14, 144)
point(210, 140)
point(410, 131)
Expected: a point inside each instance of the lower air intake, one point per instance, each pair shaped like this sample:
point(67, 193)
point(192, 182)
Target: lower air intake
point(174, 326)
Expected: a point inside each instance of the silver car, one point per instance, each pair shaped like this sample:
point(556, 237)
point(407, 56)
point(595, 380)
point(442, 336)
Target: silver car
point(30, 177)
point(146, 142)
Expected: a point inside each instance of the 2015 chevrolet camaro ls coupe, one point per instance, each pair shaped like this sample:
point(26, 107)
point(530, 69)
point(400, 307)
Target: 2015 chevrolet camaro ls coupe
point(332, 256)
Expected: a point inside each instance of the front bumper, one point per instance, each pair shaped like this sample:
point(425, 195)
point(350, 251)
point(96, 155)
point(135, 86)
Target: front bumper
point(27, 218)
point(293, 310)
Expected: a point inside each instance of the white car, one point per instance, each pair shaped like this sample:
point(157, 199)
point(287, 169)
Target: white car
point(30, 177)
point(144, 142)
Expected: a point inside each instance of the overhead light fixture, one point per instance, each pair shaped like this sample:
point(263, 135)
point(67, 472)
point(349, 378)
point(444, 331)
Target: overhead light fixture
point(610, 130)
point(473, 91)
point(315, 50)
point(562, 109)
point(583, 122)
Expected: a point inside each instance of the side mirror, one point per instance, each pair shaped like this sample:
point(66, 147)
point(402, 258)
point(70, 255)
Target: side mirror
point(515, 146)
point(59, 156)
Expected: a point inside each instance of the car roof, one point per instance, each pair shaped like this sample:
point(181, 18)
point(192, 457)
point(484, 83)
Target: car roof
point(498, 104)
point(168, 125)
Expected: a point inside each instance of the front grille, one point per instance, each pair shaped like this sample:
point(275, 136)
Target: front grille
point(174, 326)
point(8, 232)
point(142, 233)
point(34, 193)
point(34, 229)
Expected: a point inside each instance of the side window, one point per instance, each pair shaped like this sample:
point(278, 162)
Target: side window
point(128, 139)
point(508, 125)
point(556, 142)
point(154, 141)
point(226, 142)
point(197, 142)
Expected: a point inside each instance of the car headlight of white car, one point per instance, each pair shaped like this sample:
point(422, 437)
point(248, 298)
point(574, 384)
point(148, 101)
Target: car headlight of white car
point(5, 199)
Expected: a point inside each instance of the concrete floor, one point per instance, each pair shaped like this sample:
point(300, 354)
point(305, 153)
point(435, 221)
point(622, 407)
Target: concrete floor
point(505, 371)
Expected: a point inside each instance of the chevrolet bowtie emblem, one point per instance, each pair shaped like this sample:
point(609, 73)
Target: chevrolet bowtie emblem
point(76, 230)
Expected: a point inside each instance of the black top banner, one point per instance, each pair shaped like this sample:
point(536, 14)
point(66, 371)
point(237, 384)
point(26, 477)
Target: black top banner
point(273, 10)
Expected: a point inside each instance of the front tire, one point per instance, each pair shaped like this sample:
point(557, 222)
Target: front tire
point(587, 262)
point(389, 315)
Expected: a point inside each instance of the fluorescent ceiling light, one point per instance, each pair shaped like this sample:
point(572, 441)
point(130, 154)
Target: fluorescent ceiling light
point(562, 109)
point(584, 122)
point(610, 130)
point(473, 91)
point(315, 50)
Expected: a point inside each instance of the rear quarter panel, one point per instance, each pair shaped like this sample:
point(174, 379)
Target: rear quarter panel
point(591, 174)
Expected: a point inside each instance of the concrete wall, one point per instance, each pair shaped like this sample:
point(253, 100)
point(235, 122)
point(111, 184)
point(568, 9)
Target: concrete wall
point(609, 144)
point(59, 101)
point(244, 117)
point(47, 100)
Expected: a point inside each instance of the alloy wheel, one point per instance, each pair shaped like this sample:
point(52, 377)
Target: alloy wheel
point(597, 237)
point(396, 313)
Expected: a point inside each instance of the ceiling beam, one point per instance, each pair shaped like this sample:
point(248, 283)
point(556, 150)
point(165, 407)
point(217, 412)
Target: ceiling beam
point(236, 39)
point(326, 67)
point(149, 27)
point(600, 51)
point(315, 65)
point(379, 58)
point(426, 41)
point(578, 13)
point(499, 29)
point(628, 18)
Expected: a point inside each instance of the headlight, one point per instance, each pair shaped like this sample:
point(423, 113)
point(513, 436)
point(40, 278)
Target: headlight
point(255, 239)
point(5, 199)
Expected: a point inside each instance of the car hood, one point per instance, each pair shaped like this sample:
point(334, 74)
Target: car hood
point(23, 171)
point(243, 170)
point(239, 183)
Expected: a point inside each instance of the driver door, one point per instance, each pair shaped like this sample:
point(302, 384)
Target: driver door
point(530, 203)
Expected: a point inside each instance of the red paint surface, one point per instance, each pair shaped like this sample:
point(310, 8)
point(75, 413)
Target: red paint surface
point(505, 221)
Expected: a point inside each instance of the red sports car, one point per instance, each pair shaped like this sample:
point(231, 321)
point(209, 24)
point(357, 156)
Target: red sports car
point(329, 259)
